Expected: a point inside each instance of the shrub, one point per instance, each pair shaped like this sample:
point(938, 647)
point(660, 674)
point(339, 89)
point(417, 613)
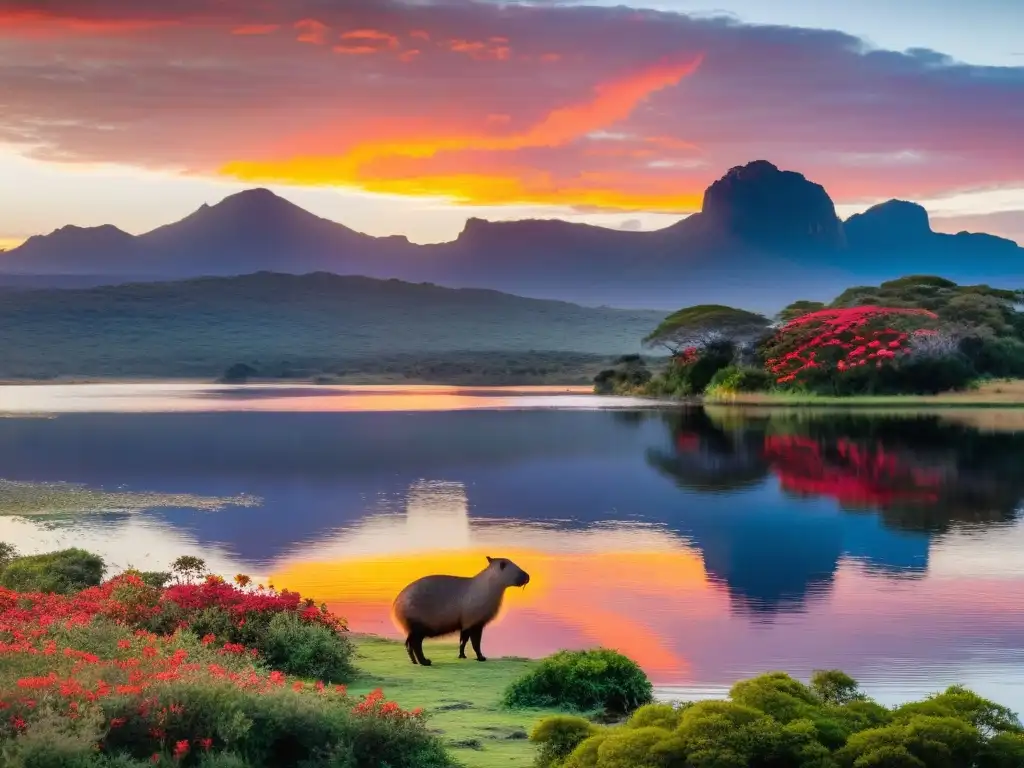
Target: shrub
point(556, 737)
point(629, 373)
point(306, 650)
point(660, 715)
point(691, 370)
point(158, 579)
point(307, 641)
point(80, 690)
point(63, 572)
point(583, 681)
point(774, 721)
point(8, 553)
point(735, 379)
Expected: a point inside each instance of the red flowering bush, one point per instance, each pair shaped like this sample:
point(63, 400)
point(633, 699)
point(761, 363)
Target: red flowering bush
point(291, 634)
point(863, 349)
point(81, 685)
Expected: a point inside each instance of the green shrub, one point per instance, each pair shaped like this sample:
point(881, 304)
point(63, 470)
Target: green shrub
point(64, 572)
point(556, 737)
point(278, 727)
point(659, 715)
point(735, 379)
point(583, 681)
point(632, 748)
point(158, 579)
point(8, 553)
point(774, 721)
point(629, 373)
point(585, 755)
point(306, 650)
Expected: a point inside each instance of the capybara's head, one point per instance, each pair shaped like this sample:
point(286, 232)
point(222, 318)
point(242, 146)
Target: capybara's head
point(509, 574)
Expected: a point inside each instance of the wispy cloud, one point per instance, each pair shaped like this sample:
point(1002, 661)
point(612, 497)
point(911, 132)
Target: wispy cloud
point(260, 91)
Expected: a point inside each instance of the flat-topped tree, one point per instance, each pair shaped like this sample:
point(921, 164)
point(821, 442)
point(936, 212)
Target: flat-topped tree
point(706, 324)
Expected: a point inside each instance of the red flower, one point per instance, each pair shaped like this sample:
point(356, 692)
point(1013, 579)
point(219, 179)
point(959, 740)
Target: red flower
point(180, 749)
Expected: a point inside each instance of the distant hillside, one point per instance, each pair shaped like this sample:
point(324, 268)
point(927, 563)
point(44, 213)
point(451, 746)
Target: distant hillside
point(287, 325)
point(763, 238)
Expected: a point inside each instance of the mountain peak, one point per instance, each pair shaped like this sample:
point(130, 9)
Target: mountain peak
point(894, 222)
point(775, 208)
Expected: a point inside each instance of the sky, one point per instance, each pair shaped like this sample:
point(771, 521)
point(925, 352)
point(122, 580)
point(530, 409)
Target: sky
point(403, 117)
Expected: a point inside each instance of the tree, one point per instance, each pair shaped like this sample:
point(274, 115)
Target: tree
point(706, 324)
point(835, 687)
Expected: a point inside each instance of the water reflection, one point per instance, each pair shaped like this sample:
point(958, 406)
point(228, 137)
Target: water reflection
point(707, 543)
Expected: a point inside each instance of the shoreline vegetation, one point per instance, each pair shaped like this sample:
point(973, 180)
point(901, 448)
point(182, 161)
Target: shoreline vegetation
point(917, 340)
point(184, 668)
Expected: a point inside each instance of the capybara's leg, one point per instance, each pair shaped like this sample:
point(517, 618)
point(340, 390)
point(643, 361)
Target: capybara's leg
point(417, 648)
point(476, 635)
point(408, 648)
point(463, 639)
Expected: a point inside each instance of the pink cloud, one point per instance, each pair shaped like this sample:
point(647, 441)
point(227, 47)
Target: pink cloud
point(867, 124)
point(255, 29)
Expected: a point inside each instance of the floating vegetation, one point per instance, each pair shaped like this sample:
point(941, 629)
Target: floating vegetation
point(39, 499)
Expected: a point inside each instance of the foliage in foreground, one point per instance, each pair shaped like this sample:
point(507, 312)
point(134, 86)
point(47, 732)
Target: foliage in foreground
point(583, 681)
point(774, 721)
point(82, 686)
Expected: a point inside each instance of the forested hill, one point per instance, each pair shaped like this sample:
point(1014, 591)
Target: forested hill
point(282, 324)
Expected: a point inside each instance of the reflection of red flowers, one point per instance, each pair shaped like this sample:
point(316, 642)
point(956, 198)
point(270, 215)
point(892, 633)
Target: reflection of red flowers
point(848, 472)
point(687, 441)
point(842, 339)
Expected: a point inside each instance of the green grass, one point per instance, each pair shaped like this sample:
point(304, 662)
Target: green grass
point(461, 697)
point(990, 394)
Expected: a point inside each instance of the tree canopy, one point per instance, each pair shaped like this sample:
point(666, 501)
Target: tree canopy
point(978, 309)
point(705, 324)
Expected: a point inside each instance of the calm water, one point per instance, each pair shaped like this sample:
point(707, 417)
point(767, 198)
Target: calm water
point(707, 544)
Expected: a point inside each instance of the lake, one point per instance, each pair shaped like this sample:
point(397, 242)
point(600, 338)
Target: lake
point(708, 544)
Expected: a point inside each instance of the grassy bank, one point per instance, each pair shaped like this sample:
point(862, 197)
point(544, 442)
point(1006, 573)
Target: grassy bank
point(991, 394)
point(461, 698)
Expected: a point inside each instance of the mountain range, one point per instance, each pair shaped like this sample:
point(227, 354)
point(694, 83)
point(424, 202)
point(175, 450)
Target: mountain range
point(763, 237)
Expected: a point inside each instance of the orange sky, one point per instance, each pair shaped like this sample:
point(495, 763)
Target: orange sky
point(422, 109)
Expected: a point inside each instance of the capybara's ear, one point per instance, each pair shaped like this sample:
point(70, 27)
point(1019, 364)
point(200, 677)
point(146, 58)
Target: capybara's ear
point(489, 559)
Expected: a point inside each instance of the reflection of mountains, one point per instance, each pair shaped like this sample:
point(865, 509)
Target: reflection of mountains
point(922, 477)
point(323, 477)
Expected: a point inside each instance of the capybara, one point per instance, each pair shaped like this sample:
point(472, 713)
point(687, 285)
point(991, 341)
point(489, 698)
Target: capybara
point(443, 605)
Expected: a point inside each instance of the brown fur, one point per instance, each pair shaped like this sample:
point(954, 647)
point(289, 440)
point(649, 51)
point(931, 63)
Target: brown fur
point(435, 606)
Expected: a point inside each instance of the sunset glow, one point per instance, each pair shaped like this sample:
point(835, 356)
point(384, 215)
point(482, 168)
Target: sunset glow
point(438, 108)
point(594, 595)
